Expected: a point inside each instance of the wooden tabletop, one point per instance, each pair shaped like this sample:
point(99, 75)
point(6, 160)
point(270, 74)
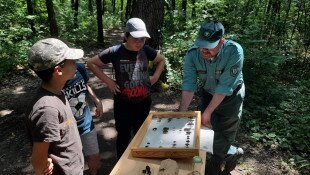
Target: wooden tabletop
point(129, 165)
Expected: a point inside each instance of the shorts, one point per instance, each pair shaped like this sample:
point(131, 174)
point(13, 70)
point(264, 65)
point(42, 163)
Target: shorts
point(90, 143)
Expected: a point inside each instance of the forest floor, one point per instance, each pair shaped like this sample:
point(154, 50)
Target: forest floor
point(17, 89)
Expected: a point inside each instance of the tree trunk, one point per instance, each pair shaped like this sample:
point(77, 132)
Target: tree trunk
point(113, 6)
point(75, 8)
point(99, 21)
point(172, 4)
point(122, 8)
point(51, 18)
point(90, 6)
point(103, 7)
point(153, 19)
point(128, 9)
point(30, 12)
point(193, 8)
point(184, 4)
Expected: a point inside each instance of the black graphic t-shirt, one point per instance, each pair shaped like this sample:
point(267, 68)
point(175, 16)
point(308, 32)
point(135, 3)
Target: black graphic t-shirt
point(131, 70)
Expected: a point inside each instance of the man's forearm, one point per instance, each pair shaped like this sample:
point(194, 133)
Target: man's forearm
point(187, 97)
point(215, 102)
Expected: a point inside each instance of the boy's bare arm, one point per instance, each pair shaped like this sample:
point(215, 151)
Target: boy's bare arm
point(160, 65)
point(96, 100)
point(39, 157)
point(94, 64)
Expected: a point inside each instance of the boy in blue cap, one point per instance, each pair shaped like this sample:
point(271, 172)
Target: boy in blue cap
point(218, 64)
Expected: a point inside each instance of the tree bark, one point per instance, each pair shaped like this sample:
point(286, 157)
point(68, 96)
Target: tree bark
point(103, 7)
point(172, 4)
point(128, 9)
point(75, 7)
point(99, 21)
point(153, 18)
point(184, 4)
point(30, 12)
point(122, 8)
point(113, 6)
point(90, 6)
point(193, 8)
point(51, 18)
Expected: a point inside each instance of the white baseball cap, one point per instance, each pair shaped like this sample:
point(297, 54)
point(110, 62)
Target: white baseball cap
point(136, 28)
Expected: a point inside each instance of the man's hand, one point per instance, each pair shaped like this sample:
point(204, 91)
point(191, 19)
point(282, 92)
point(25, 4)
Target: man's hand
point(206, 119)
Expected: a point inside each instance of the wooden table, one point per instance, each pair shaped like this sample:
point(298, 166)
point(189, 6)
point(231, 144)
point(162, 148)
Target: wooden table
point(128, 165)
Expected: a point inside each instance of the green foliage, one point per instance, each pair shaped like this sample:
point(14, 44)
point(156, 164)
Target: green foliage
point(275, 40)
point(14, 34)
point(175, 47)
point(276, 110)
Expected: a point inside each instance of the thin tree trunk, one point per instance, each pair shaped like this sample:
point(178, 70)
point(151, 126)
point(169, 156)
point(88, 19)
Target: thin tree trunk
point(122, 8)
point(172, 4)
point(113, 6)
point(76, 13)
point(184, 4)
point(90, 6)
point(128, 9)
point(99, 21)
point(103, 7)
point(30, 12)
point(193, 8)
point(51, 18)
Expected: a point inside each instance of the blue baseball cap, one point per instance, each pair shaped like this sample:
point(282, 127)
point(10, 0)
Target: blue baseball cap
point(210, 34)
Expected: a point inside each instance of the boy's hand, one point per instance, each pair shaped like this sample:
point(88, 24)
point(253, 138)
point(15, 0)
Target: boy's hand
point(49, 167)
point(99, 108)
point(114, 88)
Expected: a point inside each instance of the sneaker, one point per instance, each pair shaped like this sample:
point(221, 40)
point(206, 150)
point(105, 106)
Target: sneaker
point(231, 161)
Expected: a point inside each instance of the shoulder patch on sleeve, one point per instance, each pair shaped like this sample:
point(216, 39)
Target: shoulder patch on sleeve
point(234, 71)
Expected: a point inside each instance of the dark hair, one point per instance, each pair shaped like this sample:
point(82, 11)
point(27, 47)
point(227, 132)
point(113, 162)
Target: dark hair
point(45, 75)
point(127, 34)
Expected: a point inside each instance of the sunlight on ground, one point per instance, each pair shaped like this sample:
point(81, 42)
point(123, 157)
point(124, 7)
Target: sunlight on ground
point(19, 90)
point(161, 107)
point(107, 104)
point(108, 133)
point(27, 169)
point(5, 112)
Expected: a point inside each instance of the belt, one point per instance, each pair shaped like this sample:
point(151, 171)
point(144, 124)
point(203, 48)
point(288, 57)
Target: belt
point(234, 92)
point(238, 88)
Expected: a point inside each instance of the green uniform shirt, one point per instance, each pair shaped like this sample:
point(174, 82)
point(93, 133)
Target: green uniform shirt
point(220, 75)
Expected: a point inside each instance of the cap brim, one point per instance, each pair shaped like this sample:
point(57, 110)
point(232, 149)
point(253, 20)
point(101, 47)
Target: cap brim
point(206, 44)
point(140, 34)
point(74, 54)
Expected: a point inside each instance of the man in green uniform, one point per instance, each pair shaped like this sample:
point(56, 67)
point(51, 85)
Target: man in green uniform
point(217, 62)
